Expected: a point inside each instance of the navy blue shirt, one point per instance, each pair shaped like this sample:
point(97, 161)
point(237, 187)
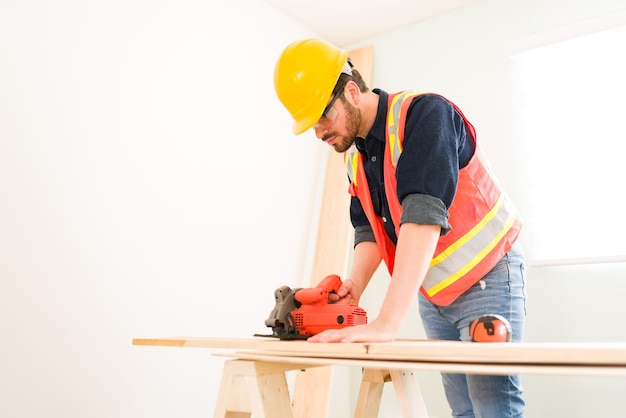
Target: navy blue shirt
point(435, 146)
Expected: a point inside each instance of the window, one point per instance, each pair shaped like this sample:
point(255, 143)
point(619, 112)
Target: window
point(572, 109)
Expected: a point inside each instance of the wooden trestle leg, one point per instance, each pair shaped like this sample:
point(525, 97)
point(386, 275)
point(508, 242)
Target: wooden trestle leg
point(252, 387)
point(405, 385)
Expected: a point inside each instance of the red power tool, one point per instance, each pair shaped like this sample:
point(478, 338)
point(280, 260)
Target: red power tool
point(301, 313)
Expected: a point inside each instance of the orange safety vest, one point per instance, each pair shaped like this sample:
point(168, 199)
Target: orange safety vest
point(484, 222)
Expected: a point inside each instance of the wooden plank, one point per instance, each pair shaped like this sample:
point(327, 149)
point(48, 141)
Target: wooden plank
point(269, 344)
point(213, 342)
point(594, 354)
point(446, 367)
point(532, 353)
point(462, 353)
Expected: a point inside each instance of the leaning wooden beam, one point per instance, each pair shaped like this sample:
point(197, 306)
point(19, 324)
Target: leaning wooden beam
point(330, 256)
point(334, 230)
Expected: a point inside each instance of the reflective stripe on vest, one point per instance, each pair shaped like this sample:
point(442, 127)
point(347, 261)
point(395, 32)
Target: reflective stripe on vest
point(489, 223)
point(393, 124)
point(351, 160)
point(462, 253)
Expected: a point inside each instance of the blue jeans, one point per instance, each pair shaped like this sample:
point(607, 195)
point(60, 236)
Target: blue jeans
point(502, 291)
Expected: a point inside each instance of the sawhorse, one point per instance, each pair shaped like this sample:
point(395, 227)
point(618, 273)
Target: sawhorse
point(259, 389)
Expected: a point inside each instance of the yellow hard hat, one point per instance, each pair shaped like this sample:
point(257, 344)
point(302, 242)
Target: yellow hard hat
point(304, 78)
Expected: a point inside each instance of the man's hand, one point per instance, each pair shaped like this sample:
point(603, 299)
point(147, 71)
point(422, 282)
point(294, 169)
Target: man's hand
point(358, 333)
point(347, 293)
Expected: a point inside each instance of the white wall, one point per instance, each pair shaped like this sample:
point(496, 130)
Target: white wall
point(138, 143)
point(150, 186)
point(466, 55)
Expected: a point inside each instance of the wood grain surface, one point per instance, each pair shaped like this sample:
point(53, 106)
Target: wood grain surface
point(581, 354)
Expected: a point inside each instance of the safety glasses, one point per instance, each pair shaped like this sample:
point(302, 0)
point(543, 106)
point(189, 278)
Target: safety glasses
point(329, 115)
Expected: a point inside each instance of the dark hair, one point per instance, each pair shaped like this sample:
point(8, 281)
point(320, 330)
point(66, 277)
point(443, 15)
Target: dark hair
point(344, 78)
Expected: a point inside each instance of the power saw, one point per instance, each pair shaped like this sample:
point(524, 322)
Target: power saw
point(301, 313)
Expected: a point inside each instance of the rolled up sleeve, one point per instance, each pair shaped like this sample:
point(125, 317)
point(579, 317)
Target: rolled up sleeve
point(425, 210)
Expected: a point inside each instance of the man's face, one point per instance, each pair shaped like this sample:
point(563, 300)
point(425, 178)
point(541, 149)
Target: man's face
point(339, 123)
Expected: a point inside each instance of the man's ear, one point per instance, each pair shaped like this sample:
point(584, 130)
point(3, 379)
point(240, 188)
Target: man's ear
point(352, 93)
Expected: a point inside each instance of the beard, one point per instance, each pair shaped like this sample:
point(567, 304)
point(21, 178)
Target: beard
point(353, 121)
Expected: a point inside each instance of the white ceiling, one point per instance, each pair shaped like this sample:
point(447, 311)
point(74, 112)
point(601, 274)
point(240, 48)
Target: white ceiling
point(343, 22)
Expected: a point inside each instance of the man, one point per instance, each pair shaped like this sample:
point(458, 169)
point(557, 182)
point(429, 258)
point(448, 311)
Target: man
point(425, 202)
